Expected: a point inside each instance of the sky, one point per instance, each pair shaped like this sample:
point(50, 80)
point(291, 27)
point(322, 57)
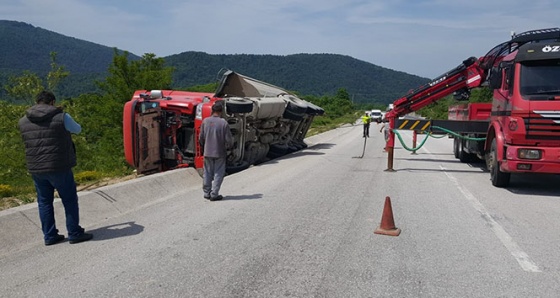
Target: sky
point(421, 37)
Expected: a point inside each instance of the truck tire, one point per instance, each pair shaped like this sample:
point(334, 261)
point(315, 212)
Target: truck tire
point(498, 178)
point(277, 150)
point(239, 105)
point(456, 147)
point(291, 115)
point(314, 110)
point(463, 156)
point(295, 109)
point(232, 169)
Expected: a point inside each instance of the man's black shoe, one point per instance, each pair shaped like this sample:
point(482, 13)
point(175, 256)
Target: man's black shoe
point(207, 197)
point(82, 238)
point(55, 240)
point(219, 197)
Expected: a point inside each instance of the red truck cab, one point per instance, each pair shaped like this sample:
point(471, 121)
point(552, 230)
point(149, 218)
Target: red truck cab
point(524, 133)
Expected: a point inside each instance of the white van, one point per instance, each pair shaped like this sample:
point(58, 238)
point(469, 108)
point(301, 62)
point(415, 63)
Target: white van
point(376, 115)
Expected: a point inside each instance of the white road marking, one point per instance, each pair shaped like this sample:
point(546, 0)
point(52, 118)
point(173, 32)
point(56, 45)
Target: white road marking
point(522, 258)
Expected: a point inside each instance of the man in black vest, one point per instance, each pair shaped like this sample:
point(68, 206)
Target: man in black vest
point(50, 156)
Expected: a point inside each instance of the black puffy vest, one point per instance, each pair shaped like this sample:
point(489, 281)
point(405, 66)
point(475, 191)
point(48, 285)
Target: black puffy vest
point(48, 145)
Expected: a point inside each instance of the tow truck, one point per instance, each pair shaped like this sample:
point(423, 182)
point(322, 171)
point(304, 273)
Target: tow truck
point(522, 134)
point(161, 127)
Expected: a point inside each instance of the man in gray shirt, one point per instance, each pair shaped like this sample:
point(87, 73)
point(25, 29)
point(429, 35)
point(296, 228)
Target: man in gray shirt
point(215, 137)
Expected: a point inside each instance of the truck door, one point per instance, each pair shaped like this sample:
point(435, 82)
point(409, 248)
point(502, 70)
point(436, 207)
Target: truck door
point(148, 141)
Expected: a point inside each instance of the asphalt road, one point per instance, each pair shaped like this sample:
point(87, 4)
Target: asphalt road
point(302, 226)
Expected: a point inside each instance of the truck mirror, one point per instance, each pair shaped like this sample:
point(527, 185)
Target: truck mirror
point(495, 80)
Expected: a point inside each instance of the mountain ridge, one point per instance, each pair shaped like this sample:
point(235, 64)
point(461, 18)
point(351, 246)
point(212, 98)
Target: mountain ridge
point(27, 47)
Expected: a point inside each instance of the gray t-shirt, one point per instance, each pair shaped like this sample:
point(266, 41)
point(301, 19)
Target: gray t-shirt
point(215, 136)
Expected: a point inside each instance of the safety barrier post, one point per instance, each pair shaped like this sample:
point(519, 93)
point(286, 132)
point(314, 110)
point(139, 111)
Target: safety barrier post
point(390, 146)
point(414, 137)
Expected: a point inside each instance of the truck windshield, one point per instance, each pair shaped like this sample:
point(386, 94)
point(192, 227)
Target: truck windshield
point(540, 78)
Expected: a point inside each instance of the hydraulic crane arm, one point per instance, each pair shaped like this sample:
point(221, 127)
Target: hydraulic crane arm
point(470, 74)
point(466, 76)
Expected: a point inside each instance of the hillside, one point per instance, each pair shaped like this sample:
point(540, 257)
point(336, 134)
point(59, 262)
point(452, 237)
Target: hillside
point(312, 74)
point(26, 47)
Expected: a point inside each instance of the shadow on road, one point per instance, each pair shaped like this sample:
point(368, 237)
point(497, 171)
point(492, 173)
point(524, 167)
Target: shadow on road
point(288, 156)
point(535, 184)
point(321, 146)
point(439, 170)
point(244, 197)
point(116, 231)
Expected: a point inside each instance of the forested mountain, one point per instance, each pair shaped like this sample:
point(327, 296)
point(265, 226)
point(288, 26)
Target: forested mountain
point(312, 74)
point(25, 47)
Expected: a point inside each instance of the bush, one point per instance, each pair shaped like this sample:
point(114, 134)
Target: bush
point(6, 191)
point(87, 176)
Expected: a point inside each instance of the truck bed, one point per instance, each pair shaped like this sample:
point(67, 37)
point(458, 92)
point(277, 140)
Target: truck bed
point(470, 111)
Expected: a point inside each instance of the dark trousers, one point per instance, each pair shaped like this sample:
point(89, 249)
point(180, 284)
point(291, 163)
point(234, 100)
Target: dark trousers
point(366, 130)
point(63, 182)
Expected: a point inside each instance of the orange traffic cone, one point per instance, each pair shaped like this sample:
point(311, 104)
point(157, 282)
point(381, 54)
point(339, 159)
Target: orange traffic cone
point(387, 226)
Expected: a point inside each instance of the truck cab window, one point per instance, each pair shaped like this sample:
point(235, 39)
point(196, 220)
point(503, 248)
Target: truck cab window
point(540, 77)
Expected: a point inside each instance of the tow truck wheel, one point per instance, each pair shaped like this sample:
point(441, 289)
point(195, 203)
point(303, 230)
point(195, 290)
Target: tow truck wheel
point(463, 156)
point(499, 178)
point(239, 106)
point(456, 147)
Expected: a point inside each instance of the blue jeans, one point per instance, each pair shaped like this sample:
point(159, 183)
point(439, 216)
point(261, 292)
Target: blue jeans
point(214, 172)
point(63, 182)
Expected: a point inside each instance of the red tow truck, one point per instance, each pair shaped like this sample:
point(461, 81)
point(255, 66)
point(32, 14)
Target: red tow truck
point(522, 134)
point(161, 127)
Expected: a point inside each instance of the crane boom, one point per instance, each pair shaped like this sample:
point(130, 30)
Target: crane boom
point(466, 76)
point(472, 73)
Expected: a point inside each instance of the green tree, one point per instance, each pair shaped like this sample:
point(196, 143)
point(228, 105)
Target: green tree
point(438, 109)
point(483, 94)
point(56, 74)
point(27, 85)
point(24, 87)
point(12, 151)
point(125, 76)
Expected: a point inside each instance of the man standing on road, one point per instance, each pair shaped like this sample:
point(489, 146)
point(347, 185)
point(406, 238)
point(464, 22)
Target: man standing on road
point(215, 137)
point(366, 120)
point(386, 129)
point(50, 155)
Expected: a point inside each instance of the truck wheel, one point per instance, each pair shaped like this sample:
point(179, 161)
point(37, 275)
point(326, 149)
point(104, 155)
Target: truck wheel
point(277, 150)
point(499, 178)
point(232, 169)
point(463, 156)
point(456, 147)
point(314, 110)
point(295, 108)
point(239, 105)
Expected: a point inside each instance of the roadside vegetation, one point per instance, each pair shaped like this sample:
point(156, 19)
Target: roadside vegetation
point(99, 147)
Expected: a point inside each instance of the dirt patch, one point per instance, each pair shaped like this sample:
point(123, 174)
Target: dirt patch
point(104, 182)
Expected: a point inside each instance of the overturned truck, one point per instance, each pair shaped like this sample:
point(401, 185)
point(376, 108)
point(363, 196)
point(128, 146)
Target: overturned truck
point(161, 127)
